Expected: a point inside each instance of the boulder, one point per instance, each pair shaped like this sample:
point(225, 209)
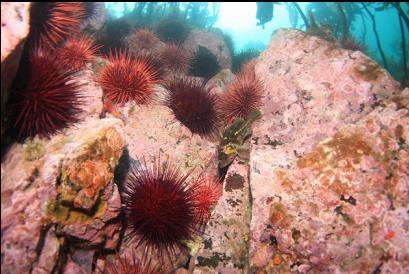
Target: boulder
point(211, 40)
point(328, 168)
point(14, 30)
point(64, 190)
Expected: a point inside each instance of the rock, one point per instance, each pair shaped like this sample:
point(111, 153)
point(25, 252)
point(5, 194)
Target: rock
point(309, 82)
point(327, 168)
point(49, 256)
point(97, 19)
point(152, 130)
point(80, 261)
point(212, 41)
point(92, 105)
point(225, 244)
point(220, 81)
point(32, 195)
point(14, 30)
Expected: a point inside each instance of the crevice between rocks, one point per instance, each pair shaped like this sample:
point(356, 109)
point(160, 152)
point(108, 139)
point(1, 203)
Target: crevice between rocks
point(40, 245)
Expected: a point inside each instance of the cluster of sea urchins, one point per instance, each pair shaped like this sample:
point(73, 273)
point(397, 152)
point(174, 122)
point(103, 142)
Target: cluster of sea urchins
point(47, 98)
point(163, 209)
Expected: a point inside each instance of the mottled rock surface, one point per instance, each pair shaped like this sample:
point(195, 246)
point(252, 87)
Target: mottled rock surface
point(219, 83)
point(153, 130)
point(48, 196)
point(327, 205)
point(14, 29)
point(96, 18)
point(212, 41)
point(225, 242)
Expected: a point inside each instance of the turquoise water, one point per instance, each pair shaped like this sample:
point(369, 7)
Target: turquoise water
point(239, 20)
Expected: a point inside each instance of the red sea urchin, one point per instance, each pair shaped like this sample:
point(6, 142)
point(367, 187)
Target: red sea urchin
point(124, 265)
point(49, 101)
point(129, 78)
point(175, 58)
point(206, 195)
point(193, 105)
point(242, 97)
point(52, 22)
point(77, 52)
point(143, 39)
point(159, 208)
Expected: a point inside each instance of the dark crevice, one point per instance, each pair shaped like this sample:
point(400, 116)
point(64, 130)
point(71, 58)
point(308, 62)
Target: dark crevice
point(40, 245)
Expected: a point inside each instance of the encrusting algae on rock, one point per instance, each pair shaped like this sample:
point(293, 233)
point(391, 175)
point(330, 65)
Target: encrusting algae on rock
point(85, 176)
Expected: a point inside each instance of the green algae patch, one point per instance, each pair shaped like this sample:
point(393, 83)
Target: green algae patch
point(213, 261)
point(66, 215)
point(33, 149)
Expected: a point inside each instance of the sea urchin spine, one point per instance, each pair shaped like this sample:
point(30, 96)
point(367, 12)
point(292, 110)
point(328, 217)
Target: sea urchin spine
point(128, 78)
point(159, 208)
point(206, 195)
point(77, 52)
point(242, 97)
point(193, 105)
point(143, 39)
point(175, 58)
point(52, 22)
point(50, 99)
point(132, 265)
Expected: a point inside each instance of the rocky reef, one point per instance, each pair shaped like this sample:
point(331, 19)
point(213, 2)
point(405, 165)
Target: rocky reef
point(324, 190)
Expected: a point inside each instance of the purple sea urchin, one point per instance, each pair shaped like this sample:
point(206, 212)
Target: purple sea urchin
point(193, 105)
point(159, 208)
point(204, 64)
point(175, 58)
point(49, 101)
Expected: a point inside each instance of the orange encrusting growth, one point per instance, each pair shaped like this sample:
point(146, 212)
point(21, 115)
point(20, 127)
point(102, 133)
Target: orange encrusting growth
point(389, 235)
point(128, 78)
